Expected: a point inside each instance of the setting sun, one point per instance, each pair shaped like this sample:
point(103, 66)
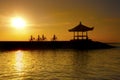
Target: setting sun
point(18, 22)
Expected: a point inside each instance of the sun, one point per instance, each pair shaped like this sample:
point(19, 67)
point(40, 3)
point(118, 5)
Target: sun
point(18, 22)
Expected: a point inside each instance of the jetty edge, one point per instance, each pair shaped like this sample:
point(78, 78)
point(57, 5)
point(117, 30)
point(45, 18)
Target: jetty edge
point(36, 45)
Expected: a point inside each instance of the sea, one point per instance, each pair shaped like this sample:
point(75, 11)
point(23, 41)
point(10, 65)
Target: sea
point(60, 64)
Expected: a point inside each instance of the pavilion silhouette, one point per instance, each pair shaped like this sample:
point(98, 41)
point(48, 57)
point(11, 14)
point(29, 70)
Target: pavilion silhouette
point(84, 32)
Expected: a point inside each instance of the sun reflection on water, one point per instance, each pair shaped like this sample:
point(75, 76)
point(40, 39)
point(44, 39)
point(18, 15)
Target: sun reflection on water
point(19, 60)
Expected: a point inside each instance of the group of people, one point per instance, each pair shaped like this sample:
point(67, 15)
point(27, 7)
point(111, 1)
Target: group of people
point(42, 38)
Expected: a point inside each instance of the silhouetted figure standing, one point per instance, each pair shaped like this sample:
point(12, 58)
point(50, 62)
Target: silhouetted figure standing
point(43, 37)
point(54, 38)
point(31, 38)
point(38, 39)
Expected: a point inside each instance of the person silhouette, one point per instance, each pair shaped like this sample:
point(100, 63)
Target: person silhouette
point(32, 38)
point(38, 39)
point(43, 37)
point(54, 38)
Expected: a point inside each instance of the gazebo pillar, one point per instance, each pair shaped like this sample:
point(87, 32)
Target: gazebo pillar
point(82, 35)
point(73, 35)
point(77, 35)
point(86, 35)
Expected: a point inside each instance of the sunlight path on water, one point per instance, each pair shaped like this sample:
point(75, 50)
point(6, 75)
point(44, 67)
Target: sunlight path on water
point(60, 64)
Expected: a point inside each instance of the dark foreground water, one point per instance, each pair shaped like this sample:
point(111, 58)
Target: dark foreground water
point(60, 64)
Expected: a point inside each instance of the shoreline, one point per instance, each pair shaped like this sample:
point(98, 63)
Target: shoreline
point(32, 45)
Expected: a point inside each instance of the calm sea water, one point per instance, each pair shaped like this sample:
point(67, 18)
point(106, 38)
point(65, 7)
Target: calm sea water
point(60, 64)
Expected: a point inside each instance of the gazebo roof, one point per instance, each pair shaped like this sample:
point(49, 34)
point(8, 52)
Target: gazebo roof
point(81, 28)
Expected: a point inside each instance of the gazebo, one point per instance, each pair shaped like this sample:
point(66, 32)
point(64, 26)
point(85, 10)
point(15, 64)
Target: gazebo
point(80, 28)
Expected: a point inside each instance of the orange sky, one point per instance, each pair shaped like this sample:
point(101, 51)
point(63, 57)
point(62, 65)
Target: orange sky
point(51, 17)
